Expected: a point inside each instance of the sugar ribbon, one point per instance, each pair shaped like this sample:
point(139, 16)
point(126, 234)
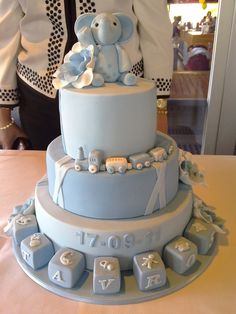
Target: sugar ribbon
point(61, 168)
point(159, 190)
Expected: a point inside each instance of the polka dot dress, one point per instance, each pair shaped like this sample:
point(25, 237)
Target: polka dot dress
point(54, 13)
point(8, 95)
point(163, 85)
point(137, 69)
point(87, 6)
point(44, 83)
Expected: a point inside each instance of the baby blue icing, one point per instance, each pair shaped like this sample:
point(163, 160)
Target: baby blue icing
point(119, 120)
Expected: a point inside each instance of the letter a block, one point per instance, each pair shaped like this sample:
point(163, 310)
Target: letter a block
point(106, 275)
point(149, 271)
point(201, 233)
point(180, 254)
point(37, 250)
point(66, 267)
point(23, 226)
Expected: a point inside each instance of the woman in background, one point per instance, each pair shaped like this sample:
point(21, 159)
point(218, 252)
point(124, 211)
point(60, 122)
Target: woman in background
point(35, 36)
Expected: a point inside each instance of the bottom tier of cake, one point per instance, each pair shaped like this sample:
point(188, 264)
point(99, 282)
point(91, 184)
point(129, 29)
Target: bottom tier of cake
point(111, 261)
point(122, 238)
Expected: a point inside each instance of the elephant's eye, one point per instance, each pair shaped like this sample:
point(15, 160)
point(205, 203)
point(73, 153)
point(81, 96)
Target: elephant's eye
point(114, 23)
point(96, 24)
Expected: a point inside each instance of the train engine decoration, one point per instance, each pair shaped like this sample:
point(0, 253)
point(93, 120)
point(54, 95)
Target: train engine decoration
point(93, 163)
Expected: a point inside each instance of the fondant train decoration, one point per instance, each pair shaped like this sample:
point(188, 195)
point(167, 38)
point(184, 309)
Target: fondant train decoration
point(98, 57)
point(95, 161)
point(189, 173)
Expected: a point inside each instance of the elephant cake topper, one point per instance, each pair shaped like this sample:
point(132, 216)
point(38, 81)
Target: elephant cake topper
point(97, 57)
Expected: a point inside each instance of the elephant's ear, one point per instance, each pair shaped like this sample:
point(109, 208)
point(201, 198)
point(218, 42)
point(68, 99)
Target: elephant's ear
point(83, 20)
point(127, 26)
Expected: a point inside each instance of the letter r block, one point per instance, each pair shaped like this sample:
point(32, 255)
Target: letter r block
point(149, 271)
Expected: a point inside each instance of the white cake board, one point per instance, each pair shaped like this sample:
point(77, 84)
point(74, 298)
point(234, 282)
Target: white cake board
point(129, 293)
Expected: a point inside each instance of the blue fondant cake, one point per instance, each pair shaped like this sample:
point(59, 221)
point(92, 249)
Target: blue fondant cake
point(112, 200)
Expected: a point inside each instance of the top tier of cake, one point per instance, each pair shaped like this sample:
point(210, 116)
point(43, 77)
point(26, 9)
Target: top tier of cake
point(119, 120)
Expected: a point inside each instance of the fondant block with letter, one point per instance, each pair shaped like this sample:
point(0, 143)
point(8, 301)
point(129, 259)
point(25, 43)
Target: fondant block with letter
point(200, 233)
point(37, 250)
point(149, 271)
point(66, 267)
point(23, 226)
point(106, 275)
point(180, 254)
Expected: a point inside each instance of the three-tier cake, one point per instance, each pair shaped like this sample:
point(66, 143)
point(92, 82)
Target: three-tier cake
point(115, 218)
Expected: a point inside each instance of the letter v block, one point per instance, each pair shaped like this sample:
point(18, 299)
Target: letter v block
point(106, 275)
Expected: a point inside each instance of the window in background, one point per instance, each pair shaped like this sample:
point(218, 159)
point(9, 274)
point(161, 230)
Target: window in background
point(193, 36)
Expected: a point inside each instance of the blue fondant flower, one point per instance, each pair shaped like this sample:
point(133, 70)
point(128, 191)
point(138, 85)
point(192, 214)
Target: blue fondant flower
point(77, 68)
point(204, 212)
point(189, 173)
point(28, 208)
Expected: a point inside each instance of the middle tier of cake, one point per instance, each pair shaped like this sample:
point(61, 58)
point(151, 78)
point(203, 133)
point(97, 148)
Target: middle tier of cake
point(112, 196)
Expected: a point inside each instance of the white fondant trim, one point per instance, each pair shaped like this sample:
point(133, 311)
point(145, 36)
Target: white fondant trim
point(66, 258)
point(149, 260)
point(107, 265)
point(35, 240)
point(61, 168)
point(162, 185)
point(159, 189)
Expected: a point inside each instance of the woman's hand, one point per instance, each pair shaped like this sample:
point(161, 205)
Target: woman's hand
point(9, 136)
point(9, 131)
